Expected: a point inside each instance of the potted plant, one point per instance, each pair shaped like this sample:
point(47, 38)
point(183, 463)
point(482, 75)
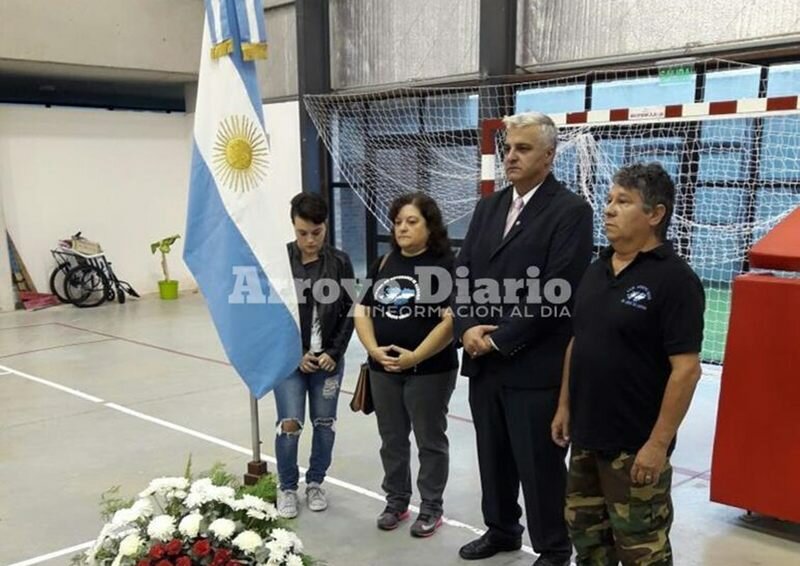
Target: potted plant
point(167, 288)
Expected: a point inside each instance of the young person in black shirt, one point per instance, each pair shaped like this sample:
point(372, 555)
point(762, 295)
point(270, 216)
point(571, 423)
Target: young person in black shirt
point(408, 332)
point(629, 375)
point(326, 328)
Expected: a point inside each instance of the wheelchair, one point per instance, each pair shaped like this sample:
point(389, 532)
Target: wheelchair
point(86, 280)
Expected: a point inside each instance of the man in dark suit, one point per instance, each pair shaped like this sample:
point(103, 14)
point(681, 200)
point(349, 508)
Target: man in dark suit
point(513, 356)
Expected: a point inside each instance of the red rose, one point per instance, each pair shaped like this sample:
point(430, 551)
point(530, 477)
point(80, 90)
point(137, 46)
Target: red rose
point(183, 561)
point(143, 562)
point(221, 557)
point(201, 548)
point(174, 547)
point(156, 552)
point(164, 563)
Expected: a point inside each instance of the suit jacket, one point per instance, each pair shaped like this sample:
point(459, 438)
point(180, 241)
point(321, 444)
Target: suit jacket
point(554, 233)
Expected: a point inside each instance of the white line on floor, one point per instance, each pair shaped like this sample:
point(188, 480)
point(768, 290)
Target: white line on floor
point(225, 444)
point(242, 450)
point(56, 554)
point(184, 430)
point(63, 388)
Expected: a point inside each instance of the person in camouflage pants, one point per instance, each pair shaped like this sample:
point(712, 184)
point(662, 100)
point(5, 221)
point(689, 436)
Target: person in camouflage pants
point(629, 374)
point(611, 520)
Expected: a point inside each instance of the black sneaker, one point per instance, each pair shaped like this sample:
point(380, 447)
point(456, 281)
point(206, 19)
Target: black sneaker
point(390, 519)
point(425, 525)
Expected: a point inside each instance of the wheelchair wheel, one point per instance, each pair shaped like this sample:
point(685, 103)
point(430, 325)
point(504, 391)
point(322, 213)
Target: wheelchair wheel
point(86, 286)
point(125, 286)
point(57, 278)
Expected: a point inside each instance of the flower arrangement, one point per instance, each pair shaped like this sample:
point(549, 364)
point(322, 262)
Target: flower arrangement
point(212, 521)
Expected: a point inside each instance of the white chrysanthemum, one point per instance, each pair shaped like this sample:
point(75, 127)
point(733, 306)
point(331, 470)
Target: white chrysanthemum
point(161, 527)
point(166, 484)
point(203, 491)
point(163, 486)
point(271, 512)
point(252, 502)
point(248, 541)
point(107, 528)
point(190, 525)
point(143, 508)
point(124, 516)
point(194, 500)
point(260, 515)
point(294, 560)
point(222, 493)
point(200, 486)
point(130, 545)
point(146, 492)
point(287, 539)
point(276, 552)
point(255, 514)
point(256, 508)
point(121, 534)
point(91, 554)
point(198, 493)
point(223, 528)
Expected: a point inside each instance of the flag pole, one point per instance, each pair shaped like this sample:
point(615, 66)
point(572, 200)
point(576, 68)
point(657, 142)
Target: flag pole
point(257, 467)
point(229, 175)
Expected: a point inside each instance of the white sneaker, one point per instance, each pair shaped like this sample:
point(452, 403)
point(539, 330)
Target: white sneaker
point(287, 504)
point(315, 497)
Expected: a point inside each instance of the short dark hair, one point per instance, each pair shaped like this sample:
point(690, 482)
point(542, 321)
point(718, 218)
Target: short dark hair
point(309, 206)
point(654, 184)
point(438, 241)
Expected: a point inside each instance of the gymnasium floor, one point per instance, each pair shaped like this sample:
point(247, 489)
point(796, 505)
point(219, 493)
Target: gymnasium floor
point(123, 393)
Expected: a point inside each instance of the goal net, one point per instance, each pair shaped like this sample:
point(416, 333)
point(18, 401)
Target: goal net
point(735, 162)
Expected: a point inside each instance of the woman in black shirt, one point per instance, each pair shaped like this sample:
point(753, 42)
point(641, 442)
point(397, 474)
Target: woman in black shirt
point(405, 325)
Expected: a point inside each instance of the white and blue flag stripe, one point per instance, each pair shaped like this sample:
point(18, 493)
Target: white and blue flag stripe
point(253, 30)
point(218, 22)
point(237, 225)
point(251, 23)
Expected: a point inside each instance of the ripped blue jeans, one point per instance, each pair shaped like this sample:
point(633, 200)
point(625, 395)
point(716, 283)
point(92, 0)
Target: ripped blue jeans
point(322, 390)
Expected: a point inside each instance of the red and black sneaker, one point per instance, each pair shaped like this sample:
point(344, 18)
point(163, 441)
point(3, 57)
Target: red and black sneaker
point(425, 525)
point(390, 519)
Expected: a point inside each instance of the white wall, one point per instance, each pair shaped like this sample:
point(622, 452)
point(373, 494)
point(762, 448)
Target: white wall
point(152, 35)
point(120, 177)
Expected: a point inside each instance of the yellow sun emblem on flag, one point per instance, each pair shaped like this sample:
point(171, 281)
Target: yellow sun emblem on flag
point(240, 154)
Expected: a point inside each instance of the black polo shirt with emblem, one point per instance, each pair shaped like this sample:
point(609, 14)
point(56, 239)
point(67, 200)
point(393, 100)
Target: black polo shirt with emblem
point(626, 327)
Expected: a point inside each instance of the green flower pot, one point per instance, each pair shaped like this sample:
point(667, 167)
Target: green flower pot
point(168, 290)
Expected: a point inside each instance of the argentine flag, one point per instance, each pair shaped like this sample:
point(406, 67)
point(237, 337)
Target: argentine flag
point(238, 218)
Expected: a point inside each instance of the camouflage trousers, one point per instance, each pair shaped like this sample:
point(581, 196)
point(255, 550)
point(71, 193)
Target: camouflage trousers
point(610, 519)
